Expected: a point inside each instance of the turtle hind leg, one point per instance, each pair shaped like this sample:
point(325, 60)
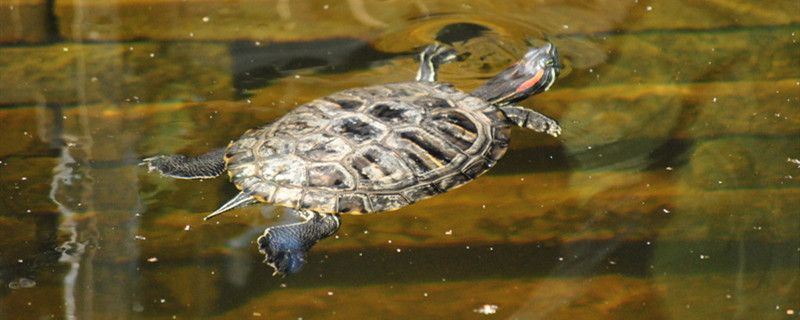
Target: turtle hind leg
point(530, 119)
point(179, 166)
point(430, 59)
point(285, 246)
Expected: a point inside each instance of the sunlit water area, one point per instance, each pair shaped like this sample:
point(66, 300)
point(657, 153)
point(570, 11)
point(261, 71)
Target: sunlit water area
point(673, 191)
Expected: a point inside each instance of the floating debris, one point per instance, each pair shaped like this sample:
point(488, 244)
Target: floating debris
point(795, 161)
point(22, 283)
point(486, 309)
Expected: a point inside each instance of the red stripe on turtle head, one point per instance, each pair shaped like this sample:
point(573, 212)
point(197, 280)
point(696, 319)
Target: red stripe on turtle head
point(530, 82)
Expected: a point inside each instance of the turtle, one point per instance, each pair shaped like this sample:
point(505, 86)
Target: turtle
point(372, 149)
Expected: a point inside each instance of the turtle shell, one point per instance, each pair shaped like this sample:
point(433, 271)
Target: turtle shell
point(370, 149)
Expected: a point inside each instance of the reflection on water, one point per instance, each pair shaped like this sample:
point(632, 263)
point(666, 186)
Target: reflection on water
point(671, 195)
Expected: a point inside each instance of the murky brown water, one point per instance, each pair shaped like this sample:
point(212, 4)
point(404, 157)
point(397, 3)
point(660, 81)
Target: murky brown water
point(672, 194)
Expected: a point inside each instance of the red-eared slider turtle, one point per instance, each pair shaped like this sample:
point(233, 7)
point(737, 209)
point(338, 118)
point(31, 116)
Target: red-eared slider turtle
point(372, 149)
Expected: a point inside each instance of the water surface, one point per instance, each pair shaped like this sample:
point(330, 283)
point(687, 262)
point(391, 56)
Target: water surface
point(672, 194)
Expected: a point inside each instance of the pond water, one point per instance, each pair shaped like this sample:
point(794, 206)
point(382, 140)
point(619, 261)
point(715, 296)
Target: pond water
point(673, 192)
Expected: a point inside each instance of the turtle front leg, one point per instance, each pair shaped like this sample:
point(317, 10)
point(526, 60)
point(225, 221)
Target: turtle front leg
point(530, 119)
point(430, 59)
point(179, 166)
point(285, 246)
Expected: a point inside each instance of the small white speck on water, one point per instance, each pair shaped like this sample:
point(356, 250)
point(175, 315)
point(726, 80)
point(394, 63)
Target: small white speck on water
point(389, 241)
point(612, 262)
point(424, 294)
point(449, 232)
point(206, 19)
point(257, 43)
point(719, 182)
point(152, 259)
point(565, 27)
point(728, 296)
point(191, 34)
point(665, 210)
point(486, 309)
point(399, 250)
point(28, 211)
point(297, 76)
point(330, 293)
point(648, 243)
point(130, 48)
point(714, 100)
point(163, 300)
point(649, 8)
point(326, 7)
point(20, 261)
point(668, 168)
point(560, 258)
point(589, 147)
point(24, 178)
point(256, 314)
point(187, 228)
point(790, 312)
point(65, 49)
point(138, 237)
point(704, 257)
point(152, 55)
point(483, 206)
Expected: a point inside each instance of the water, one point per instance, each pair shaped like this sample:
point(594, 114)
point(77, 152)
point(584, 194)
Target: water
point(672, 194)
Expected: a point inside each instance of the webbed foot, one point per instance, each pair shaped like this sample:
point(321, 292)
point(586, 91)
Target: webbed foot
point(285, 247)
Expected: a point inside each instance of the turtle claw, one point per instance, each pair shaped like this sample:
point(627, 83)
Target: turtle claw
point(285, 247)
point(283, 262)
point(553, 128)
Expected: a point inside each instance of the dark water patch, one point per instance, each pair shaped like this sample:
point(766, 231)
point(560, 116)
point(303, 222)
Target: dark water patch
point(51, 22)
point(460, 32)
point(255, 63)
point(465, 263)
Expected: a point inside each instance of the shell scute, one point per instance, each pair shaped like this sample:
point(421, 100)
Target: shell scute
point(332, 176)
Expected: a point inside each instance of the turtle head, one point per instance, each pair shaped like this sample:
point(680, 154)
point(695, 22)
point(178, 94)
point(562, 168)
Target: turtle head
point(531, 75)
